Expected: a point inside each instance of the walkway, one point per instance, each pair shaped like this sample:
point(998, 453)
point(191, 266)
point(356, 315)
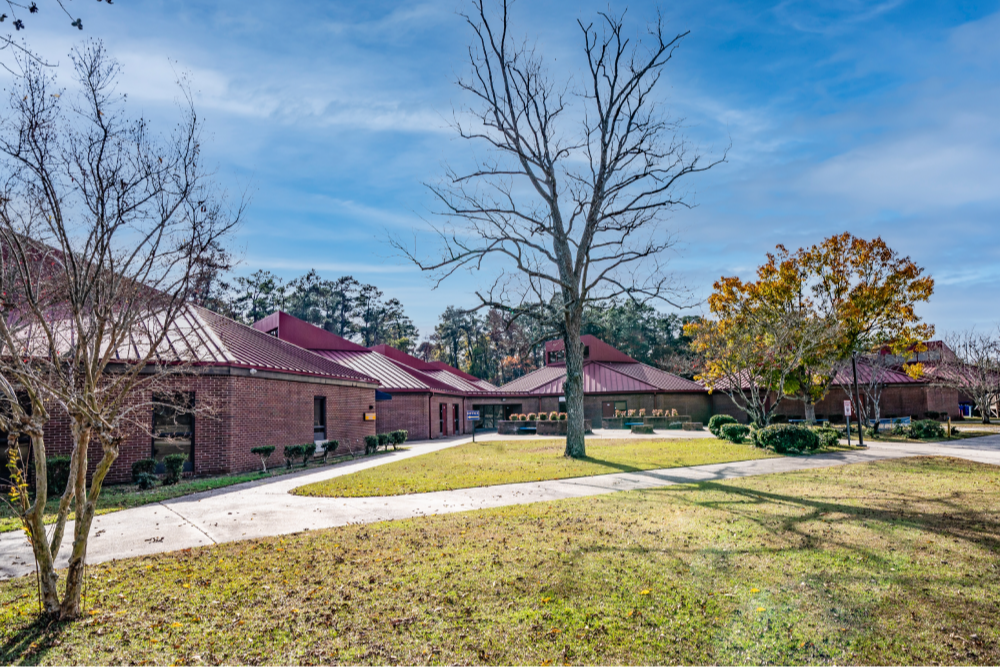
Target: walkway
point(265, 508)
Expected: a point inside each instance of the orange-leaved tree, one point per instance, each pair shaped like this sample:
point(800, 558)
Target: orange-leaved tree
point(787, 333)
point(760, 332)
point(869, 292)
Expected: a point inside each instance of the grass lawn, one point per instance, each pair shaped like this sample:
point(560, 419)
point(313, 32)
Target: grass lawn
point(892, 562)
point(509, 461)
point(123, 496)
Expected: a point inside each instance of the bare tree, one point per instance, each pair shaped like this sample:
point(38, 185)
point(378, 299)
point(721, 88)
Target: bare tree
point(874, 371)
point(564, 207)
point(973, 370)
point(105, 232)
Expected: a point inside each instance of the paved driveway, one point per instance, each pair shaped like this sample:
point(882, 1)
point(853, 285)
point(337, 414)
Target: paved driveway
point(265, 508)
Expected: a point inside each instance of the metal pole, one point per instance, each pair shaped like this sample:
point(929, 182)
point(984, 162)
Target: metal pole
point(857, 401)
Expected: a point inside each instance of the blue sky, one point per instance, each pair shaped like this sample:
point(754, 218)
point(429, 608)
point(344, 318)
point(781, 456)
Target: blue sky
point(878, 118)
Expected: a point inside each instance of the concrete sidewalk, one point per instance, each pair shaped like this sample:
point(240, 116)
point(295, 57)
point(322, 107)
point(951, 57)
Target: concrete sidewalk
point(265, 508)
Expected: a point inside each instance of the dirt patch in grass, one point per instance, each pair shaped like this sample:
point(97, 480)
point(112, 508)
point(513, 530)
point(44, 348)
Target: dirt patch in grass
point(885, 563)
point(507, 462)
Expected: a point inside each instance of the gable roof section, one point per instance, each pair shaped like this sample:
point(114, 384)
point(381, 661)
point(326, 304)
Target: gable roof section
point(391, 375)
point(598, 349)
point(603, 378)
point(232, 343)
point(304, 334)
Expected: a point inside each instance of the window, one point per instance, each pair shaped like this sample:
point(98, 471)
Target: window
point(273, 332)
point(442, 409)
point(319, 418)
point(454, 414)
point(621, 405)
point(173, 426)
point(557, 356)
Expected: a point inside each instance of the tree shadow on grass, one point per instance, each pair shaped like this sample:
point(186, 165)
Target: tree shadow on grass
point(947, 516)
point(31, 643)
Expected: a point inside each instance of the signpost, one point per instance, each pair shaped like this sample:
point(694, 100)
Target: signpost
point(847, 418)
point(472, 416)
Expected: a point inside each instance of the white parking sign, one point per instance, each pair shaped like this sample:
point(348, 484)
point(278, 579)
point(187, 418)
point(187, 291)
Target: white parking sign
point(847, 408)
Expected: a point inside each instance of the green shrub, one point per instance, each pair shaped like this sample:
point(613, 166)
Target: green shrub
point(145, 480)
point(143, 467)
point(543, 416)
point(736, 433)
point(786, 438)
point(173, 465)
point(308, 451)
point(57, 474)
point(398, 437)
point(898, 429)
point(532, 416)
point(264, 452)
point(645, 430)
point(371, 444)
point(930, 414)
point(716, 422)
point(675, 426)
point(329, 448)
point(828, 437)
point(293, 452)
point(562, 416)
point(383, 440)
point(926, 429)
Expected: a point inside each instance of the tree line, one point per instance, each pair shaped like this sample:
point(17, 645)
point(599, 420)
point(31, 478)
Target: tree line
point(494, 344)
point(344, 306)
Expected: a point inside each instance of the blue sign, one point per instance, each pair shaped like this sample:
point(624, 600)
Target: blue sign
point(472, 415)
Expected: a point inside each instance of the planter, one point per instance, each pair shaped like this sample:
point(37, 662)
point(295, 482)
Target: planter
point(644, 430)
point(544, 427)
point(664, 422)
point(693, 426)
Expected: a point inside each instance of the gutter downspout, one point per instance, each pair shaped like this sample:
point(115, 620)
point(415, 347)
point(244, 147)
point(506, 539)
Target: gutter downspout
point(430, 415)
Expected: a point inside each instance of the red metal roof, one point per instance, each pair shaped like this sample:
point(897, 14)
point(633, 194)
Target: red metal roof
point(603, 378)
point(391, 375)
point(235, 343)
point(598, 349)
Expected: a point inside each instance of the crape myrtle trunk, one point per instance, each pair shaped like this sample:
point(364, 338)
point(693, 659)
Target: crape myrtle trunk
point(573, 387)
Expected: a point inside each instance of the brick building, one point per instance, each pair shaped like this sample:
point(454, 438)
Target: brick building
point(246, 389)
point(612, 380)
point(901, 396)
point(427, 399)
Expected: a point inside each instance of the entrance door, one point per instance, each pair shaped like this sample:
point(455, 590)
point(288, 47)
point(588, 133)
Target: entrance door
point(607, 409)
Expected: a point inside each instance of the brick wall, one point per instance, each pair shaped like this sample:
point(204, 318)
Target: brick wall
point(280, 412)
point(405, 411)
point(234, 414)
point(896, 401)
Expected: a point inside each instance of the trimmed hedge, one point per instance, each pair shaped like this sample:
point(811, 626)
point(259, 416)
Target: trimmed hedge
point(735, 433)
point(926, 429)
point(645, 430)
point(144, 473)
point(371, 444)
point(398, 437)
point(174, 466)
point(828, 437)
point(786, 438)
point(264, 452)
point(716, 422)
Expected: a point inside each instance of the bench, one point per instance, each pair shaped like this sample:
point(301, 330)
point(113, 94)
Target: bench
point(635, 423)
point(905, 421)
point(528, 428)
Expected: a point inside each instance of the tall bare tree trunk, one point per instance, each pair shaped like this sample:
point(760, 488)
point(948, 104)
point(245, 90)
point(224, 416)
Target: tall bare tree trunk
point(573, 387)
